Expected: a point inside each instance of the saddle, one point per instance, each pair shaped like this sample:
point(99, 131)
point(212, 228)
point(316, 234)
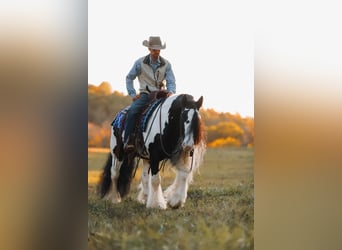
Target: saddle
point(155, 98)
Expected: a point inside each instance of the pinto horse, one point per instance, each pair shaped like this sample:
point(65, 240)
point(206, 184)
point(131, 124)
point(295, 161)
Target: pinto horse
point(173, 132)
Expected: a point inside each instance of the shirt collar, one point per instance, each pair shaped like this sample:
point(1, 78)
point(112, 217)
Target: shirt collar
point(158, 60)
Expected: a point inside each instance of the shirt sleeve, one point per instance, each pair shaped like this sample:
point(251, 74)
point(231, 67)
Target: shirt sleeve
point(132, 74)
point(170, 79)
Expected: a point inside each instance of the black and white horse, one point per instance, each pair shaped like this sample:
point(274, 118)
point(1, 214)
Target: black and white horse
point(175, 132)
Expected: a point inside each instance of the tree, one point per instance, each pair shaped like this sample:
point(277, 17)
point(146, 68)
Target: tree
point(105, 88)
point(225, 142)
point(222, 128)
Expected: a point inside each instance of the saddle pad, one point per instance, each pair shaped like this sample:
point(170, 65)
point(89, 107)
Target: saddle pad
point(119, 119)
point(147, 114)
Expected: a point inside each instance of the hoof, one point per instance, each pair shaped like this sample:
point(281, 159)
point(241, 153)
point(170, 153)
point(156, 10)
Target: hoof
point(142, 198)
point(176, 205)
point(161, 204)
point(176, 201)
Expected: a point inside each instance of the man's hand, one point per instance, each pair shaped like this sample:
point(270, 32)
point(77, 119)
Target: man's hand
point(136, 97)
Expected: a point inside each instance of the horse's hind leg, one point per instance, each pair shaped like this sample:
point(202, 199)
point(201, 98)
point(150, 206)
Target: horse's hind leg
point(144, 185)
point(114, 195)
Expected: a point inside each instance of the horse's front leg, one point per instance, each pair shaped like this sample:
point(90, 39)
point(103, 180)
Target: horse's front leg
point(144, 185)
point(176, 193)
point(155, 196)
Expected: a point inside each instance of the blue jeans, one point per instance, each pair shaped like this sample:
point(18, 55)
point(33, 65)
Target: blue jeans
point(133, 113)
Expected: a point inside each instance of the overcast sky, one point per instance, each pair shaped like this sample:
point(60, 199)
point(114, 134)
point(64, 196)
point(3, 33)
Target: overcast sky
point(209, 44)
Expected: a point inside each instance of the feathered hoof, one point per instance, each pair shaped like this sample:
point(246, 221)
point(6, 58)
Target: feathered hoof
point(142, 198)
point(159, 205)
point(162, 206)
point(176, 205)
point(114, 198)
point(168, 193)
point(176, 202)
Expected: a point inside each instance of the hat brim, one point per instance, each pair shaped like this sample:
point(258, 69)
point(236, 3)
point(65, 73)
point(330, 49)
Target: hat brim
point(146, 44)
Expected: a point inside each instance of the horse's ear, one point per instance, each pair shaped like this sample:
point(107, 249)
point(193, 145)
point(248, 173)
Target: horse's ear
point(199, 102)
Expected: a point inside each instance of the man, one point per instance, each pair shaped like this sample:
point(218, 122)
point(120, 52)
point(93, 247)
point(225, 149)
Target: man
point(152, 71)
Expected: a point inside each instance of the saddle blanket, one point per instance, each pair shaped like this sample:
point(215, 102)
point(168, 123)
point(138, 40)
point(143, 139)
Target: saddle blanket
point(147, 114)
point(120, 118)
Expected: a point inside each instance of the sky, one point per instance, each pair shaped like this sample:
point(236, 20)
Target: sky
point(208, 43)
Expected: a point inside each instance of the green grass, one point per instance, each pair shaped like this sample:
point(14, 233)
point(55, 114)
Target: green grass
point(218, 213)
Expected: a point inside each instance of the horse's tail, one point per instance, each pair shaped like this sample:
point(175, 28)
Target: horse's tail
point(125, 176)
point(105, 179)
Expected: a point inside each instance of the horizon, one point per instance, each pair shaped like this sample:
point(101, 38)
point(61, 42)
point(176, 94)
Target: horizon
point(203, 106)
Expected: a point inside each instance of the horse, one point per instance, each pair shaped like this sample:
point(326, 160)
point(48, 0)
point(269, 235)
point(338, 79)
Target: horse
point(173, 132)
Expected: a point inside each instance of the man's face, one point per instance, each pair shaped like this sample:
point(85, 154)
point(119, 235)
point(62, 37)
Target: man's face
point(154, 53)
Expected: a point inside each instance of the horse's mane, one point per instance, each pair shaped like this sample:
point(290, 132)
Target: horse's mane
point(198, 128)
point(187, 101)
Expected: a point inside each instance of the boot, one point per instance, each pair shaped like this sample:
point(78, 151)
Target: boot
point(129, 144)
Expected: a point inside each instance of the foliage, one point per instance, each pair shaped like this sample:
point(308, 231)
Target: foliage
point(218, 213)
point(227, 129)
point(225, 142)
point(98, 136)
point(104, 104)
point(222, 129)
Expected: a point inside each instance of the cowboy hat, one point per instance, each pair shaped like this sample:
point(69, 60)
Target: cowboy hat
point(154, 42)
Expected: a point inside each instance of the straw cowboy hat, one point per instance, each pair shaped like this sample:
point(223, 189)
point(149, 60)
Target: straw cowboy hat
point(154, 42)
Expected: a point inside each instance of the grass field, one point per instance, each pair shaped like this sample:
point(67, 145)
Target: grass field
point(218, 213)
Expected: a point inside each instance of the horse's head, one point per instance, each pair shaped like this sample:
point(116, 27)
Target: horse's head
point(191, 122)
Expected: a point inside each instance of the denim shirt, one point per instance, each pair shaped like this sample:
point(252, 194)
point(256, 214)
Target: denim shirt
point(136, 70)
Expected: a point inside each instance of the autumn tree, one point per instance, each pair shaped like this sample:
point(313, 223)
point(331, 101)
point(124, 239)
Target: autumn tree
point(222, 128)
point(103, 104)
